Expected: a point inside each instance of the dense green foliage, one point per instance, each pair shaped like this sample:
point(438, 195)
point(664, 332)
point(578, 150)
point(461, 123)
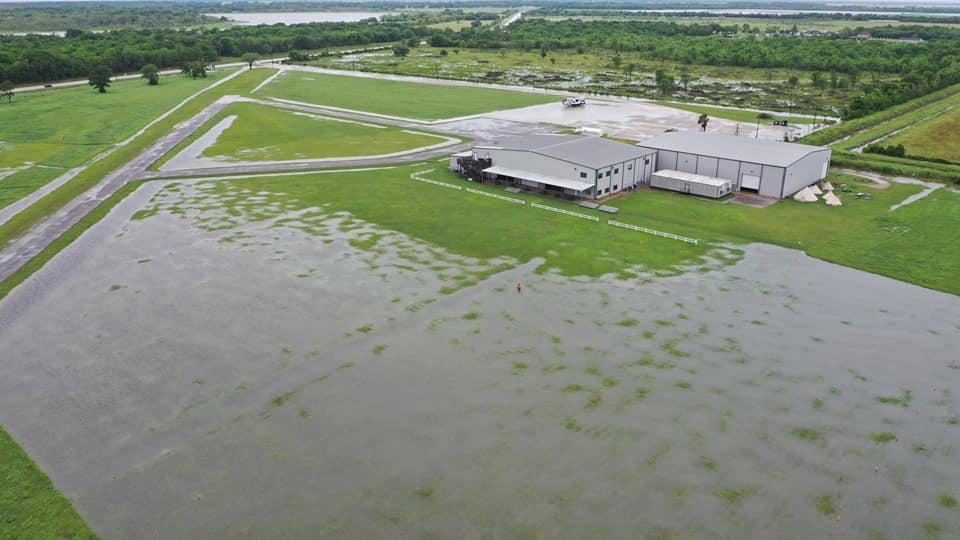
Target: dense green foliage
point(30, 506)
point(38, 58)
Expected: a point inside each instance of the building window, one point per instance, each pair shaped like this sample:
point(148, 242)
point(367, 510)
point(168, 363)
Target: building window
point(608, 174)
point(630, 166)
point(583, 175)
point(606, 190)
point(615, 187)
point(616, 171)
point(646, 161)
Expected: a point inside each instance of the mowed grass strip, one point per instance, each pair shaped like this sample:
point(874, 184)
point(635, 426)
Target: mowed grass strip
point(936, 138)
point(398, 98)
point(30, 506)
point(268, 133)
point(23, 221)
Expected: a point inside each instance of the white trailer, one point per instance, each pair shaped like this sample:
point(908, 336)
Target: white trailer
point(694, 184)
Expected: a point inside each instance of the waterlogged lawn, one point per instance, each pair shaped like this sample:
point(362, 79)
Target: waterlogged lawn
point(30, 507)
point(398, 98)
point(913, 243)
point(268, 133)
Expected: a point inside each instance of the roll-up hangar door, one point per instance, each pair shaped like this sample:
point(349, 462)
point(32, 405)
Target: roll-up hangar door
point(749, 181)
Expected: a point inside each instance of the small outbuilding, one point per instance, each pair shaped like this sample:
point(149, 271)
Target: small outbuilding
point(770, 168)
point(694, 184)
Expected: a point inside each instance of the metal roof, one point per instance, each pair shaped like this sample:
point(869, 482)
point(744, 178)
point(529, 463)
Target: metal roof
point(765, 152)
point(537, 177)
point(693, 178)
point(592, 152)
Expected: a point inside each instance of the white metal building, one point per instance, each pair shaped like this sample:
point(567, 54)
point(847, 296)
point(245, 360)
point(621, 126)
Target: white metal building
point(589, 167)
point(694, 184)
point(770, 168)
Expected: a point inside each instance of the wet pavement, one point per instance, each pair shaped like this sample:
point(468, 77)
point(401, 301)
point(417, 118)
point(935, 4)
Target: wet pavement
point(233, 365)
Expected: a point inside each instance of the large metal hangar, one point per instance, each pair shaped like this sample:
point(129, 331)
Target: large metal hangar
point(568, 166)
point(770, 168)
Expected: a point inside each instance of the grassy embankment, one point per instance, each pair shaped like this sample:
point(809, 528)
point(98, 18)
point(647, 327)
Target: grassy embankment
point(262, 133)
point(594, 72)
point(30, 506)
point(397, 98)
point(63, 128)
point(936, 138)
point(861, 234)
point(863, 130)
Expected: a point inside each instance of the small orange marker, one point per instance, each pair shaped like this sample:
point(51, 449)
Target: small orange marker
point(838, 519)
point(519, 287)
point(876, 468)
point(898, 438)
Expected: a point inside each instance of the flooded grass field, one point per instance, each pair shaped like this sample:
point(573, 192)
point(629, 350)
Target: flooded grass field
point(213, 361)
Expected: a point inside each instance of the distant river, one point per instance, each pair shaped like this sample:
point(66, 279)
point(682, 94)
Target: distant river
point(297, 17)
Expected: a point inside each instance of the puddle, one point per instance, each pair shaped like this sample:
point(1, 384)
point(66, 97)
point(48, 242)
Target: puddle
point(229, 365)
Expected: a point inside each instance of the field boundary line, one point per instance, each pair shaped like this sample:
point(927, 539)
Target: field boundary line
point(416, 176)
point(654, 232)
point(567, 212)
point(495, 196)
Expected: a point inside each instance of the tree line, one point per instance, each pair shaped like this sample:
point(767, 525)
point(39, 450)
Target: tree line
point(35, 58)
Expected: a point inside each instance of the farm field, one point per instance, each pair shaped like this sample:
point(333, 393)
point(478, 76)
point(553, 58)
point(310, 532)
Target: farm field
point(396, 98)
point(259, 132)
point(594, 72)
point(334, 305)
point(778, 23)
point(936, 138)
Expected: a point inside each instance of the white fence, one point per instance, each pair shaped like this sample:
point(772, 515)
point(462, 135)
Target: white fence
point(495, 196)
point(416, 176)
point(567, 212)
point(655, 233)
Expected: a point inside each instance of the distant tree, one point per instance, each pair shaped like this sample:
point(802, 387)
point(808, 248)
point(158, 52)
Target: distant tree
point(100, 78)
point(629, 69)
point(250, 58)
point(703, 121)
point(553, 61)
point(198, 70)
point(543, 52)
point(151, 73)
point(456, 51)
point(818, 80)
point(401, 50)
point(793, 81)
point(616, 61)
point(685, 78)
point(443, 52)
point(6, 90)
point(475, 24)
point(665, 83)
point(413, 42)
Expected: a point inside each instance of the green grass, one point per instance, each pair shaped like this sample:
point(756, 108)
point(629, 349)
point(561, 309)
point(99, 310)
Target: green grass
point(398, 98)
point(935, 138)
point(30, 506)
point(884, 437)
point(948, 501)
point(66, 127)
point(737, 115)
point(23, 221)
point(827, 505)
point(268, 133)
point(913, 243)
point(806, 434)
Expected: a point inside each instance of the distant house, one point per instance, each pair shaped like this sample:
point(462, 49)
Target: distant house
point(863, 36)
point(812, 33)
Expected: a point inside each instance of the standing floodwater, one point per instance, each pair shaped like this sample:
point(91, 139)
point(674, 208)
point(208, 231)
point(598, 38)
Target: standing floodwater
point(221, 370)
